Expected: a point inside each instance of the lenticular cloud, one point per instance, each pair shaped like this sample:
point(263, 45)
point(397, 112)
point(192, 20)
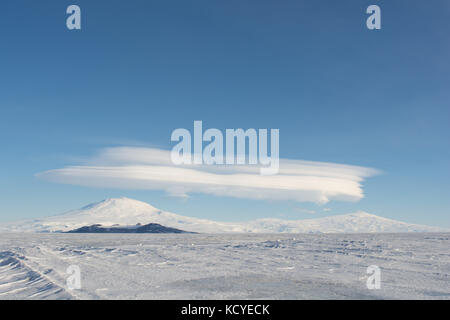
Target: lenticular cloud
point(152, 169)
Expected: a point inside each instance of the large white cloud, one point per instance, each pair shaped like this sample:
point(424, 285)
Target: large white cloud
point(151, 168)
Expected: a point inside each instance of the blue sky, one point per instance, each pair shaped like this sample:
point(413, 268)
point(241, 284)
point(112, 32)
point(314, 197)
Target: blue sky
point(137, 70)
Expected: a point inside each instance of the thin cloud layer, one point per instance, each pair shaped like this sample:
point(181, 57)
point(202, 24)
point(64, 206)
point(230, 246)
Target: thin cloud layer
point(152, 169)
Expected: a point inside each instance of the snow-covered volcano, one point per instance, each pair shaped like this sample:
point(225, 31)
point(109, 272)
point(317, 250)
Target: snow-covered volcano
point(124, 211)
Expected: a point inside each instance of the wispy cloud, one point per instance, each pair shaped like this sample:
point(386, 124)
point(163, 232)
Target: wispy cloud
point(151, 168)
point(306, 211)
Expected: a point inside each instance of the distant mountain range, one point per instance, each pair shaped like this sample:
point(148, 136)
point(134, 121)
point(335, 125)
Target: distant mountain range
point(123, 212)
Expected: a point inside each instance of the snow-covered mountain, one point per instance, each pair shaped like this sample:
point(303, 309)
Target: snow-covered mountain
point(124, 211)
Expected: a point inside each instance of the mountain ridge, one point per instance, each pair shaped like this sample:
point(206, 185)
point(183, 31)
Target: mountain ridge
point(147, 228)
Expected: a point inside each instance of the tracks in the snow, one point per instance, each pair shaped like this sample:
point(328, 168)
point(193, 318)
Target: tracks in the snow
point(20, 281)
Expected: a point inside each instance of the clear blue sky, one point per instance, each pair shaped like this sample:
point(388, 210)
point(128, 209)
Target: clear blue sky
point(139, 69)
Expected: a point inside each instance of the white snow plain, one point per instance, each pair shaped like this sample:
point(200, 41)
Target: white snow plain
point(224, 266)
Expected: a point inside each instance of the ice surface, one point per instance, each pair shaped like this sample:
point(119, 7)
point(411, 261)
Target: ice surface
point(225, 266)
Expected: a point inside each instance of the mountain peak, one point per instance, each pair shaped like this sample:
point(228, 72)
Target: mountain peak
point(363, 214)
point(122, 203)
